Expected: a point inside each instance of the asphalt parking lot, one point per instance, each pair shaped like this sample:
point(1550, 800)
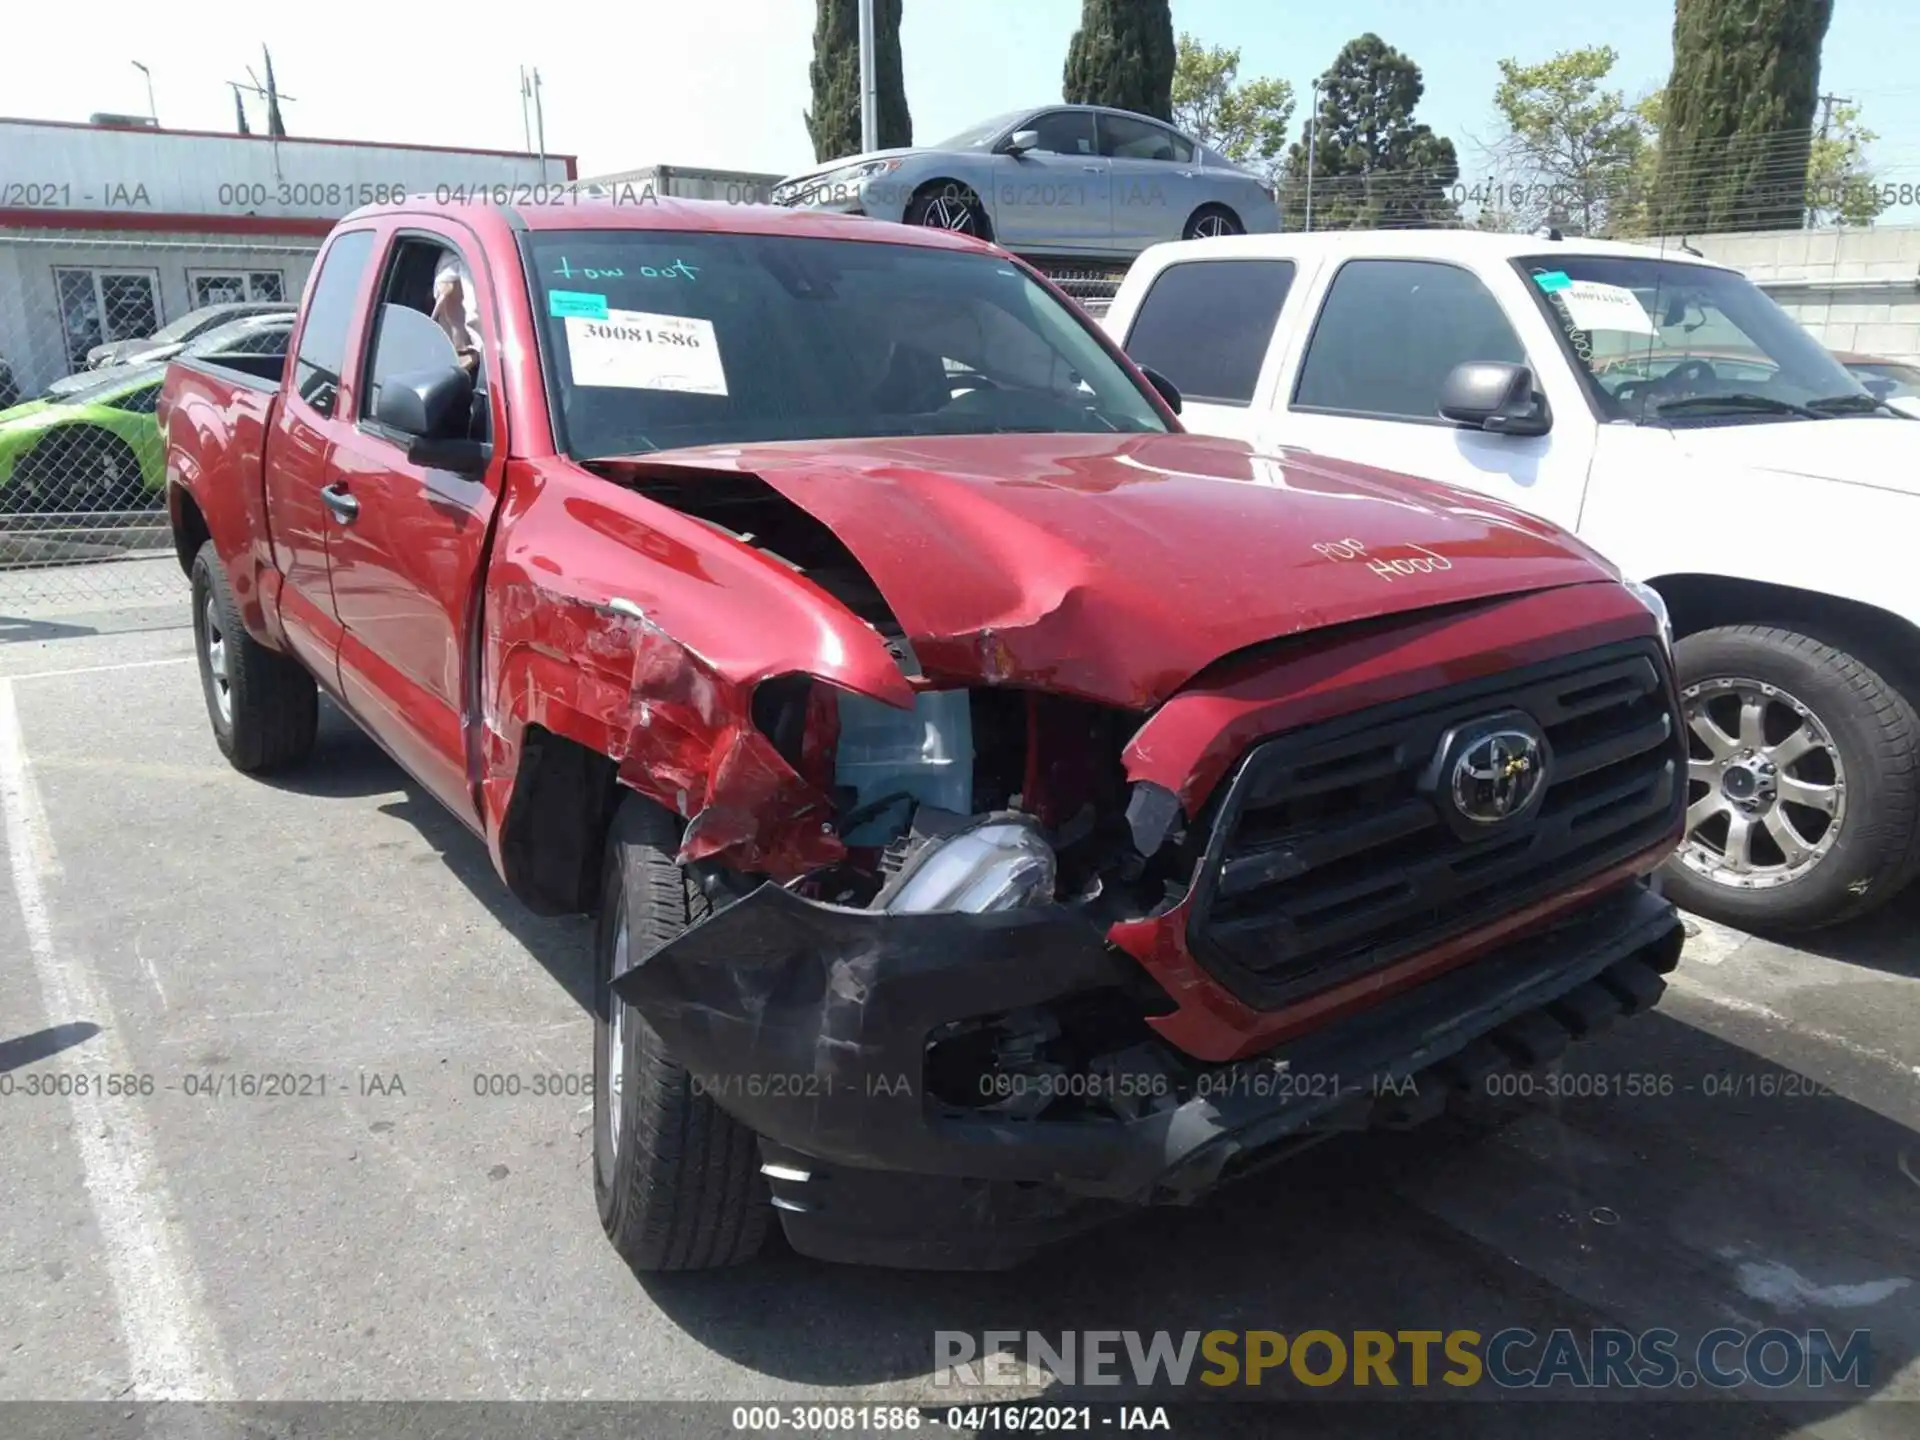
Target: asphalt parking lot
point(388, 1231)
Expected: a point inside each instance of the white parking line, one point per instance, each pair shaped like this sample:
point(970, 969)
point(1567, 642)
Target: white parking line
point(171, 1349)
point(102, 669)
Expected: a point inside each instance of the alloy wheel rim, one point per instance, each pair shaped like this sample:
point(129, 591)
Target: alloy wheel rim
point(616, 1040)
point(217, 670)
point(1208, 227)
point(1766, 787)
point(950, 212)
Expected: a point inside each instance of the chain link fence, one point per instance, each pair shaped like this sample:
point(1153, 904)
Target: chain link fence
point(88, 320)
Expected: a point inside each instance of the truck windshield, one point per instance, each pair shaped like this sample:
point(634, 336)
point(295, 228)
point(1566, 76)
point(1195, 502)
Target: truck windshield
point(661, 339)
point(1663, 343)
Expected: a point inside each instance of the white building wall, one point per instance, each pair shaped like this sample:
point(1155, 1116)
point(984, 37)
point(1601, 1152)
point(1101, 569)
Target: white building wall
point(176, 203)
point(157, 172)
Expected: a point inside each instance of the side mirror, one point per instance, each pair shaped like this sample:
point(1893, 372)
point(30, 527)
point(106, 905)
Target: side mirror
point(1169, 392)
point(1022, 141)
point(1878, 386)
point(433, 408)
point(1496, 397)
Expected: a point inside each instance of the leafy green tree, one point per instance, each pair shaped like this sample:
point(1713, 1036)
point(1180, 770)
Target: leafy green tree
point(1373, 165)
point(1122, 55)
point(1244, 120)
point(1840, 188)
point(834, 121)
point(1569, 146)
point(1631, 213)
point(1739, 114)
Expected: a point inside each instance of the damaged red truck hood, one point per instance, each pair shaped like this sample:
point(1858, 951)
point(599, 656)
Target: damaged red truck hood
point(1116, 567)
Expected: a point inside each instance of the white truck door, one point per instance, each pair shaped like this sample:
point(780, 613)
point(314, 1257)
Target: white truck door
point(1209, 326)
point(1362, 382)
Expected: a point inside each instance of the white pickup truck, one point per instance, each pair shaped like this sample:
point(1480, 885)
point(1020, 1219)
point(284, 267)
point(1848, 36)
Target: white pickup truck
point(1682, 424)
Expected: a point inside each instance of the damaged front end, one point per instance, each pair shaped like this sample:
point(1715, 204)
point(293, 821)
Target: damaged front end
point(951, 1063)
point(947, 977)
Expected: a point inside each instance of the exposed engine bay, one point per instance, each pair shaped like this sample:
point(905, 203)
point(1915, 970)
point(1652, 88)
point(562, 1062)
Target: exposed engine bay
point(980, 798)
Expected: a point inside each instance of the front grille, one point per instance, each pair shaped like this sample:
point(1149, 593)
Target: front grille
point(1329, 855)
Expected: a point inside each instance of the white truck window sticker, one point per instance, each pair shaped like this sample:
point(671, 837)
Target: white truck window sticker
point(1594, 306)
point(635, 350)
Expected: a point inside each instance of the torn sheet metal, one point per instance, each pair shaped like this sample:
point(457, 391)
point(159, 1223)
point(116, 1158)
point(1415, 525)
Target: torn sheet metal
point(662, 682)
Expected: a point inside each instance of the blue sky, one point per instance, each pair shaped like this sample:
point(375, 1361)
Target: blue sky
point(724, 83)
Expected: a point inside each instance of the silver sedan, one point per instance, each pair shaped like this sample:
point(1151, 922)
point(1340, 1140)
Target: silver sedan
point(1059, 180)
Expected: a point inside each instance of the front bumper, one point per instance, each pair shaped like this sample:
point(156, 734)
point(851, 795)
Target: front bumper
point(810, 1024)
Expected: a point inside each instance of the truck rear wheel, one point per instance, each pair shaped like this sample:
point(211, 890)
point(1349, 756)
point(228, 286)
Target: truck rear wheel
point(677, 1178)
point(1803, 789)
point(265, 709)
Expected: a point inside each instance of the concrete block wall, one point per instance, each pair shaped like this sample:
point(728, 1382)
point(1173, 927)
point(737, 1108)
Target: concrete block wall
point(1855, 289)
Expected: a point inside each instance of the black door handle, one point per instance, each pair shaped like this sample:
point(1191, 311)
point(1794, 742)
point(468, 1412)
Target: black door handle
point(344, 507)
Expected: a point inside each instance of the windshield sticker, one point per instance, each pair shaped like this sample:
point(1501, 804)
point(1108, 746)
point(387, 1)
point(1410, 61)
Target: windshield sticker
point(564, 303)
point(1594, 306)
point(1551, 280)
point(633, 350)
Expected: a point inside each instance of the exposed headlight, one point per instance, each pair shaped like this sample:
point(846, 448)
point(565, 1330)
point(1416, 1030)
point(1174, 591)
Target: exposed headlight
point(833, 185)
point(865, 170)
point(1650, 597)
point(997, 865)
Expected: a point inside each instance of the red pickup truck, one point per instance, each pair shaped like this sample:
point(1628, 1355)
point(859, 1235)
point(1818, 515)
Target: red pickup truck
point(1002, 809)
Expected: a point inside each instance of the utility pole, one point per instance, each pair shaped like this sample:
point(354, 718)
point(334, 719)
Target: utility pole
point(152, 114)
point(1827, 102)
point(526, 124)
point(1313, 135)
point(539, 123)
point(869, 83)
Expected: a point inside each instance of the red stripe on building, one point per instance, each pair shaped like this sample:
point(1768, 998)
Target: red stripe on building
point(41, 218)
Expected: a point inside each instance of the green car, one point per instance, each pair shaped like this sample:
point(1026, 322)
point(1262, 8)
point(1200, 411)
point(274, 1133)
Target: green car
point(97, 448)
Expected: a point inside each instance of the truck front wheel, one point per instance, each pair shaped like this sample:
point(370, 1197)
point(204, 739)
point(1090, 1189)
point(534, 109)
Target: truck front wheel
point(265, 709)
point(1803, 788)
point(677, 1178)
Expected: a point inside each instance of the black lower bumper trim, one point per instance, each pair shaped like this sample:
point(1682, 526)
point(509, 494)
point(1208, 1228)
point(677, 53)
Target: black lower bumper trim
point(809, 1024)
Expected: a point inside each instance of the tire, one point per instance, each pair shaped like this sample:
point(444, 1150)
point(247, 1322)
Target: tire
point(266, 714)
point(1856, 733)
point(80, 468)
point(949, 205)
point(678, 1181)
point(1211, 220)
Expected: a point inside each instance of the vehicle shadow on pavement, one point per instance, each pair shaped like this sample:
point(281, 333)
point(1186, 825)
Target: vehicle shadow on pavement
point(1888, 940)
point(39, 1044)
point(15, 628)
point(356, 768)
point(1701, 1208)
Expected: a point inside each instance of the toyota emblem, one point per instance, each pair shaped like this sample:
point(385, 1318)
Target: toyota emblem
point(1498, 776)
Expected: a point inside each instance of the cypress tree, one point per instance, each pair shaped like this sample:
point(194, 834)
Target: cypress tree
point(1739, 114)
point(1122, 55)
point(834, 121)
point(1374, 165)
